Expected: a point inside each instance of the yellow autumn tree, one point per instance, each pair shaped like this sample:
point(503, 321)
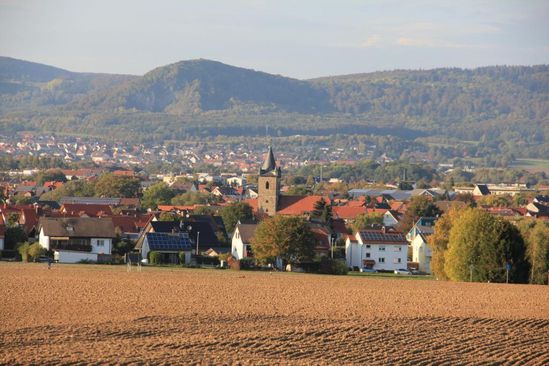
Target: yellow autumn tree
point(438, 241)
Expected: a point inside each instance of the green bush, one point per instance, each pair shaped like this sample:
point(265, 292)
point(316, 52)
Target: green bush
point(247, 263)
point(23, 249)
point(154, 257)
point(333, 266)
point(181, 257)
point(36, 250)
point(86, 261)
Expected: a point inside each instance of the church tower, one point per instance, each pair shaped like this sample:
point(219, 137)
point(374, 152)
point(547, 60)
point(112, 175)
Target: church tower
point(268, 185)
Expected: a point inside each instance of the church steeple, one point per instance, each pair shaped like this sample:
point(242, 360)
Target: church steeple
point(269, 164)
point(268, 185)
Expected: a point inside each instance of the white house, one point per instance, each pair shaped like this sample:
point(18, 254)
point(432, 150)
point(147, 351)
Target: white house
point(377, 249)
point(417, 237)
point(242, 235)
point(391, 218)
point(77, 238)
point(421, 252)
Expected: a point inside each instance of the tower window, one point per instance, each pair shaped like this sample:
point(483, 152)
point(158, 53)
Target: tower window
point(267, 185)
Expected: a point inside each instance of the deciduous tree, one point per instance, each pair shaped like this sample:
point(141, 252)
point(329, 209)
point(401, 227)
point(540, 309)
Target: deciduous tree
point(485, 244)
point(234, 212)
point(285, 237)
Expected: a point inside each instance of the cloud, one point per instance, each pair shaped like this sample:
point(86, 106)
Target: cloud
point(371, 41)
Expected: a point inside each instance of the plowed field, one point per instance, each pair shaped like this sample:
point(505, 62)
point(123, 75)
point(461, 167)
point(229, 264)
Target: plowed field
point(82, 314)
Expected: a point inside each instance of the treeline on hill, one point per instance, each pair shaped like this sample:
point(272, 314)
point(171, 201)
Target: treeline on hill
point(504, 107)
point(423, 174)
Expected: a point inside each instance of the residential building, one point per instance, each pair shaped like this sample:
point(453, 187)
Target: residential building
point(241, 241)
point(77, 238)
point(376, 249)
point(169, 246)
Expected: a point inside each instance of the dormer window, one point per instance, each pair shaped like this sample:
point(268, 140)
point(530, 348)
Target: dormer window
point(70, 228)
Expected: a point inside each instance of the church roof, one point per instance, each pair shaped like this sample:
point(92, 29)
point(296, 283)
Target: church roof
point(269, 165)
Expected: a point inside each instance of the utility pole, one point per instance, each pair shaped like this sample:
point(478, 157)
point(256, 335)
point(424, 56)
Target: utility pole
point(197, 241)
point(471, 266)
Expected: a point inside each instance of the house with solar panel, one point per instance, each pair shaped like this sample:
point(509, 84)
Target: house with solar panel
point(169, 245)
point(382, 250)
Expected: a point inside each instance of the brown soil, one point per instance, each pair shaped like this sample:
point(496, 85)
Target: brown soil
point(102, 314)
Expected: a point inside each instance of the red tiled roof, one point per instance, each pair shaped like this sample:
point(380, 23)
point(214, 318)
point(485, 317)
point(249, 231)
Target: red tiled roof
point(90, 210)
point(359, 203)
point(380, 211)
point(297, 205)
point(128, 173)
point(396, 205)
point(31, 218)
point(128, 224)
point(252, 202)
point(348, 212)
point(167, 208)
point(53, 184)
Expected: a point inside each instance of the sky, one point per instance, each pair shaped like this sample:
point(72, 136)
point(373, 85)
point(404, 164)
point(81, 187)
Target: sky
point(301, 39)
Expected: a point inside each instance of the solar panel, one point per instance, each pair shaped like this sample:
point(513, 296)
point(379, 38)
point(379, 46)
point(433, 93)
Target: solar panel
point(169, 242)
point(378, 236)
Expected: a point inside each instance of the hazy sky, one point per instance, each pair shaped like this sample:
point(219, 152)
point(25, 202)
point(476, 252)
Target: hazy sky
point(302, 39)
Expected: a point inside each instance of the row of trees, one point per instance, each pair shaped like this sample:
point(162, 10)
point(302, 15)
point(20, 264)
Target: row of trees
point(470, 244)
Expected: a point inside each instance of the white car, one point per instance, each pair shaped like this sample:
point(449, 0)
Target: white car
point(402, 271)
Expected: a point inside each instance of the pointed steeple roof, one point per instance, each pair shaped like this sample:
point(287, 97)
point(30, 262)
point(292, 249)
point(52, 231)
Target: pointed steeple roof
point(269, 164)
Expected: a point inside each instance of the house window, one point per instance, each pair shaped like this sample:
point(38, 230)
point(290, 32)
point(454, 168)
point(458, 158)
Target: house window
point(397, 260)
point(398, 248)
point(267, 185)
point(100, 243)
point(367, 255)
point(381, 249)
point(381, 260)
point(368, 246)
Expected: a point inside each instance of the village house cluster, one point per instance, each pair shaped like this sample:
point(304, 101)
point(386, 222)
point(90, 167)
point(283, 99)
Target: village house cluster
point(107, 229)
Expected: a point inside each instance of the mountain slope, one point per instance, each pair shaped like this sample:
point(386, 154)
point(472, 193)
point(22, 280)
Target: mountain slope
point(15, 70)
point(447, 94)
point(26, 85)
point(204, 85)
point(506, 106)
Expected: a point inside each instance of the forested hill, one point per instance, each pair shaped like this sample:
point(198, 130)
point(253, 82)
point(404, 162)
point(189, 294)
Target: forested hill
point(481, 93)
point(203, 97)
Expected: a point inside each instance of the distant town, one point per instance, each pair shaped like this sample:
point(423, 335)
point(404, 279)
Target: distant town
point(101, 205)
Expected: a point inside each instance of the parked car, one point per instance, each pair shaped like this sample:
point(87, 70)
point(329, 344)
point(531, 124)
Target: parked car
point(402, 271)
point(368, 270)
